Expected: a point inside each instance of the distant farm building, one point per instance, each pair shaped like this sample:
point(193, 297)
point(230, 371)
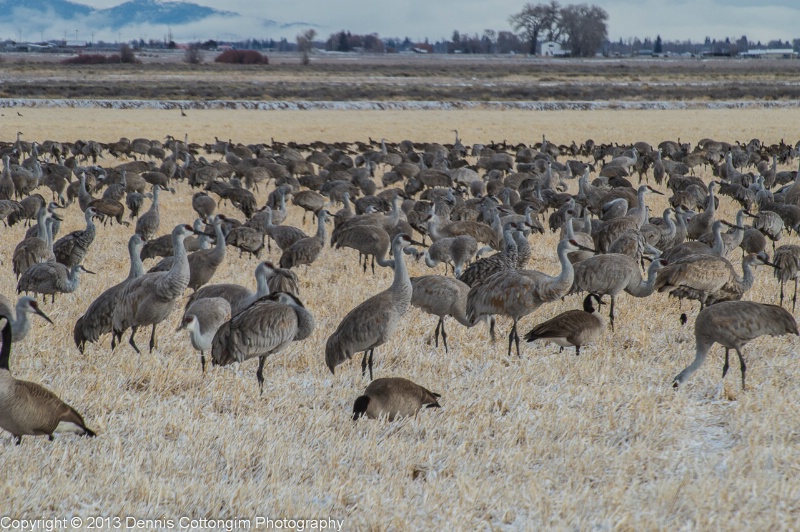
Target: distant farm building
point(553, 49)
point(785, 53)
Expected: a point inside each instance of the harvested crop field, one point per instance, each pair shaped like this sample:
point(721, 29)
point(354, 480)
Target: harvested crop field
point(547, 440)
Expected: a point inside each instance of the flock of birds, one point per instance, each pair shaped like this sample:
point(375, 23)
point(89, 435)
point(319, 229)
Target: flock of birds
point(467, 201)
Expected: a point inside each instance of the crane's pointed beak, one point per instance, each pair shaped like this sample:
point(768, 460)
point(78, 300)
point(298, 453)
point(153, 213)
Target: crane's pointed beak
point(43, 315)
point(584, 248)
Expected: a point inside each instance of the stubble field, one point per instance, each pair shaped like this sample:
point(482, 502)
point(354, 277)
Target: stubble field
point(599, 441)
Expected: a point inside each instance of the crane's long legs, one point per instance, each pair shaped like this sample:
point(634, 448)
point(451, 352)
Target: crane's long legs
point(364, 362)
point(132, 341)
point(725, 366)
point(260, 374)
point(153, 338)
point(444, 334)
point(743, 366)
point(436, 333)
point(513, 338)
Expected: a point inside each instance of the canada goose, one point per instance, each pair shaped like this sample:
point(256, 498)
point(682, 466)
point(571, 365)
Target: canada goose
point(28, 409)
point(572, 328)
point(393, 397)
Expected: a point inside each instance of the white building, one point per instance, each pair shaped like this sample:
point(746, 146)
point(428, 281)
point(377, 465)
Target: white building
point(786, 53)
point(553, 49)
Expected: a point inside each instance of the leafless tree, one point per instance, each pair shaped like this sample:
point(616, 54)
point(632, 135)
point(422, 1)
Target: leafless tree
point(305, 42)
point(193, 55)
point(584, 28)
point(534, 20)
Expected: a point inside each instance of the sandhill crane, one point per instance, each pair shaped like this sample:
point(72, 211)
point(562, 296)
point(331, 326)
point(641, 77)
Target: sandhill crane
point(345, 213)
point(84, 197)
point(733, 324)
point(456, 251)
point(442, 297)
point(264, 328)
point(485, 267)
point(50, 278)
point(787, 267)
point(283, 235)
point(202, 319)
point(28, 409)
point(660, 236)
point(203, 204)
point(611, 274)
point(517, 293)
point(580, 237)
point(148, 223)
point(369, 240)
point(393, 397)
point(18, 315)
point(309, 201)
point(203, 263)
point(371, 323)
point(573, 328)
point(610, 230)
point(269, 279)
point(686, 249)
point(246, 239)
point(36, 249)
point(730, 240)
point(770, 225)
point(96, 321)
point(306, 250)
point(478, 230)
point(149, 299)
point(71, 249)
point(703, 277)
point(700, 224)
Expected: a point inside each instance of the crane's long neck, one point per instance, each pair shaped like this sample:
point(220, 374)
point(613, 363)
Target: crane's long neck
point(510, 245)
point(137, 268)
point(177, 279)
point(219, 248)
point(680, 229)
point(748, 271)
point(321, 227)
point(41, 228)
point(401, 285)
point(21, 324)
point(711, 207)
point(671, 228)
point(523, 248)
point(5, 352)
point(428, 260)
point(719, 245)
point(262, 284)
point(48, 224)
point(738, 231)
point(283, 202)
point(433, 228)
point(563, 282)
point(73, 279)
point(641, 215)
point(569, 232)
point(645, 286)
point(89, 217)
point(154, 205)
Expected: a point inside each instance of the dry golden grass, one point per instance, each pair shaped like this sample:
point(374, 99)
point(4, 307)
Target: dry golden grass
point(546, 440)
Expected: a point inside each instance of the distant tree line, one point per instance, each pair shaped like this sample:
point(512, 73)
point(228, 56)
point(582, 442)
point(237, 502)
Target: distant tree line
point(580, 29)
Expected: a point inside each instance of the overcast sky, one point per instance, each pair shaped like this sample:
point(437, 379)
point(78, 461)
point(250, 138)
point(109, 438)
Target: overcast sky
point(436, 19)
